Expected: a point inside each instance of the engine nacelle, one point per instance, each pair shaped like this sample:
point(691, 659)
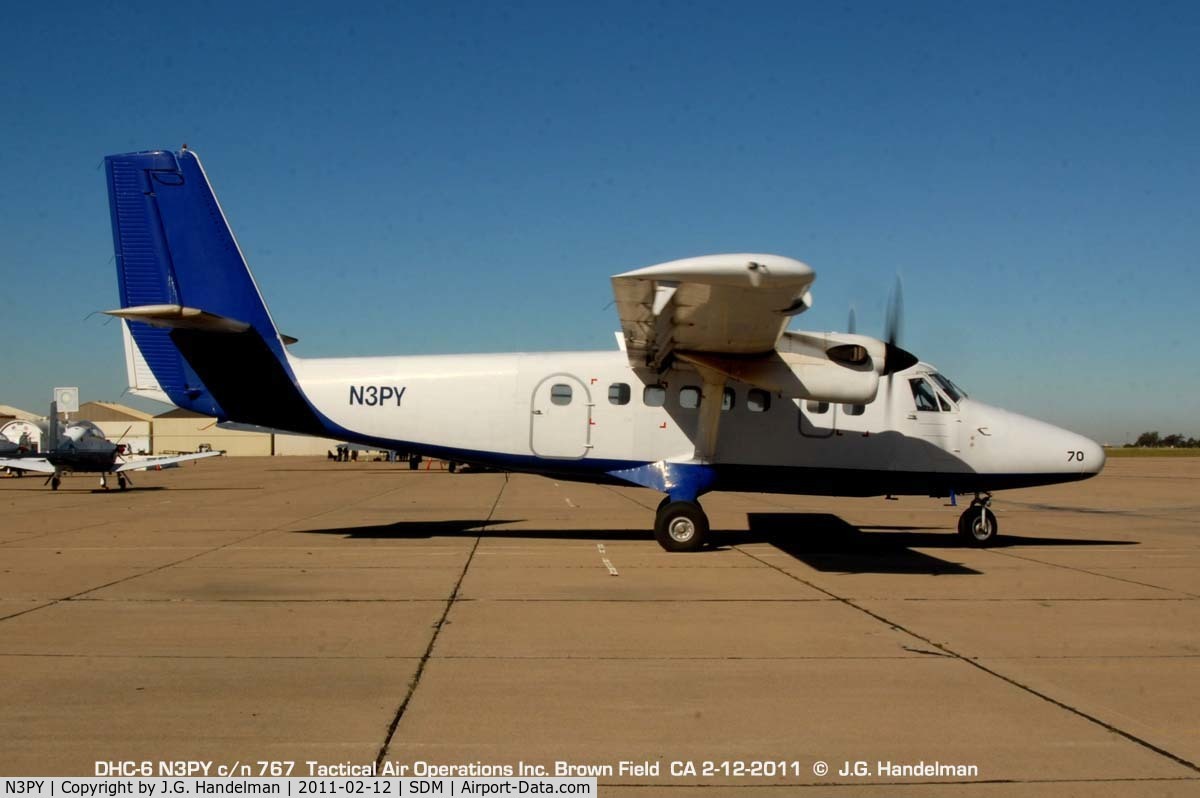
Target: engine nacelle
point(827, 367)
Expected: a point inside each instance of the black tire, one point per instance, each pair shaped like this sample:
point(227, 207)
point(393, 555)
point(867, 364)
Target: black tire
point(121, 483)
point(452, 466)
point(54, 483)
point(414, 462)
point(681, 526)
point(971, 530)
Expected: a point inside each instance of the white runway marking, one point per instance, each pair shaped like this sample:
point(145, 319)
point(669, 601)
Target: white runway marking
point(612, 569)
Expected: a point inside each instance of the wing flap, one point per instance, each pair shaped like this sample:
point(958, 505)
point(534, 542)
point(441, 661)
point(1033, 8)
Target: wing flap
point(735, 304)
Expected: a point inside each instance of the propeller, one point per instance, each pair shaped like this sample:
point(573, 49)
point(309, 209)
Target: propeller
point(117, 444)
point(895, 359)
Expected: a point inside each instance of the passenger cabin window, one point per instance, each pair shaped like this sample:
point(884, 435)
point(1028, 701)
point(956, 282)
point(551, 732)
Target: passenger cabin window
point(728, 399)
point(618, 393)
point(923, 395)
point(854, 410)
point(689, 397)
point(654, 395)
point(560, 394)
point(816, 408)
point(758, 401)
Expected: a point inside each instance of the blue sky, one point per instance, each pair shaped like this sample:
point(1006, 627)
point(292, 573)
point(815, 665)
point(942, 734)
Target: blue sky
point(412, 178)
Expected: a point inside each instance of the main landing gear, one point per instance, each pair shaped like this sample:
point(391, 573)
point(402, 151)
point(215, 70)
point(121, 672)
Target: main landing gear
point(680, 525)
point(977, 526)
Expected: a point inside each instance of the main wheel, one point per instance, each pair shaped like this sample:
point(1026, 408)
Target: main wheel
point(121, 483)
point(974, 530)
point(681, 526)
point(54, 483)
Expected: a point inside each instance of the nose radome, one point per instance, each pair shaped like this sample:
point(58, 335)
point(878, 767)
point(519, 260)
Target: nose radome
point(1093, 456)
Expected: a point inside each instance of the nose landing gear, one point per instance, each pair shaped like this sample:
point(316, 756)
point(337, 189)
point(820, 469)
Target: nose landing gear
point(977, 526)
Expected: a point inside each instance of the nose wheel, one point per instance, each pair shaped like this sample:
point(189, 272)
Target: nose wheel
point(680, 526)
point(977, 526)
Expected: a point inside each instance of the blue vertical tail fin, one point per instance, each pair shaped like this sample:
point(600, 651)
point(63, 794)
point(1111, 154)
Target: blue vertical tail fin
point(192, 305)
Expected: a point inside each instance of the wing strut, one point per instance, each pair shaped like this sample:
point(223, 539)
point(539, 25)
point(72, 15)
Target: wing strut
point(708, 422)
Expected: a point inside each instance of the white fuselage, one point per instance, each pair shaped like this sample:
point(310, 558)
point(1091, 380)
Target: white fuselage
point(565, 412)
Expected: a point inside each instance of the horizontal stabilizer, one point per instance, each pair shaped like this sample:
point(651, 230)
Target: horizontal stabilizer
point(178, 316)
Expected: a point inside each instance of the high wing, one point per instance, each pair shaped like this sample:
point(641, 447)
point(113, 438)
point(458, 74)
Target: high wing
point(39, 464)
point(160, 461)
point(735, 304)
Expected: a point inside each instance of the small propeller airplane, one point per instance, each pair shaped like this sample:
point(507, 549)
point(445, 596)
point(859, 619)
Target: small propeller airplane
point(707, 391)
point(82, 447)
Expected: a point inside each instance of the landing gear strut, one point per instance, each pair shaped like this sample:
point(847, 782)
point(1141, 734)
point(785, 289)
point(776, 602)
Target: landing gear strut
point(680, 525)
point(977, 526)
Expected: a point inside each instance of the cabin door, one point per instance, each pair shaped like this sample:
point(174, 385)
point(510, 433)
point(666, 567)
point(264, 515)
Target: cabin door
point(560, 423)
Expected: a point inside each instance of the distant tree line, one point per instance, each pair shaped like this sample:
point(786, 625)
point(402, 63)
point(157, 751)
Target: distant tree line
point(1152, 440)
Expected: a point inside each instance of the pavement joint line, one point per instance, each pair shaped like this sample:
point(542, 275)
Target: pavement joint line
point(996, 674)
point(332, 657)
point(437, 630)
point(1064, 599)
point(56, 532)
point(76, 596)
point(134, 600)
point(1091, 573)
point(82, 593)
point(625, 496)
point(435, 599)
point(29, 610)
point(464, 657)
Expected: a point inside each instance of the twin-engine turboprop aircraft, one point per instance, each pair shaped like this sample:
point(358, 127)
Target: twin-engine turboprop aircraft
point(709, 390)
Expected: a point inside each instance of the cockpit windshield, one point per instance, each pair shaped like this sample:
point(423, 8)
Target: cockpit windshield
point(952, 390)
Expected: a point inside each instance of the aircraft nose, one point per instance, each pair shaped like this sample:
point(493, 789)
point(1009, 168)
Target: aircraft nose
point(1026, 445)
point(1091, 454)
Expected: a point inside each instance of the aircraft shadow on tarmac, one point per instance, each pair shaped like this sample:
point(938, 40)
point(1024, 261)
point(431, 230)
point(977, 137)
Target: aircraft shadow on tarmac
point(822, 541)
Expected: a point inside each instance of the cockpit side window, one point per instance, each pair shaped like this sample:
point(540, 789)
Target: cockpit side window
point(924, 395)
